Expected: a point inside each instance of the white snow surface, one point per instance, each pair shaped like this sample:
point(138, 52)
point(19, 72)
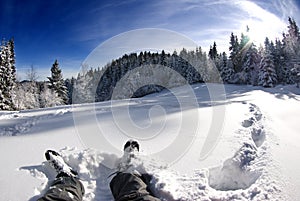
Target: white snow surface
point(256, 156)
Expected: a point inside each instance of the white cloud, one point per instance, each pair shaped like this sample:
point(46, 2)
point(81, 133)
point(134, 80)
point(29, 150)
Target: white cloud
point(287, 8)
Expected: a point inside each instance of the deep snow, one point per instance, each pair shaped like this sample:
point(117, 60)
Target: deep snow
point(255, 158)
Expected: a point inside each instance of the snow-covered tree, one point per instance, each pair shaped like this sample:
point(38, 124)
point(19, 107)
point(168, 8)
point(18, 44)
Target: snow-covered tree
point(280, 62)
point(227, 71)
point(198, 63)
point(238, 51)
point(83, 89)
point(20, 96)
point(202, 61)
point(31, 74)
point(213, 52)
point(291, 49)
point(296, 74)
point(234, 51)
point(27, 95)
point(70, 87)
point(291, 40)
point(57, 83)
point(49, 98)
point(32, 89)
point(7, 75)
point(11, 71)
point(267, 76)
point(250, 65)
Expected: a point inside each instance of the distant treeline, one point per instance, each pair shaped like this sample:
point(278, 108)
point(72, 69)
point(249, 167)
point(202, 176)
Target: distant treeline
point(135, 75)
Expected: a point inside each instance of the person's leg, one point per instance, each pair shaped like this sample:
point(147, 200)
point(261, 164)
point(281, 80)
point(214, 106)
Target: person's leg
point(127, 186)
point(64, 188)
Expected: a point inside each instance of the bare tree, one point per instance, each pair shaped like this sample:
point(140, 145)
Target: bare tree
point(32, 75)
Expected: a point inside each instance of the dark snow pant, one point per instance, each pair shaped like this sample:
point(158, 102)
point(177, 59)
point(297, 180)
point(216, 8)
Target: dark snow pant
point(131, 187)
point(64, 188)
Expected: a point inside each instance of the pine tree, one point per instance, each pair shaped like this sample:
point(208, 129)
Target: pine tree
point(234, 51)
point(203, 63)
point(291, 40)
point(291, 48)
point(7, 75)
point(3, 100)
point(213, 53)
point(227, 71)
point(215, 64)
point(244, 46)
point(267, 76)
point(104, 88)
point(57, 83)
point(250, 65)
point(296, 74)
point(280, 62)
point(84, 89)
point(69, 83)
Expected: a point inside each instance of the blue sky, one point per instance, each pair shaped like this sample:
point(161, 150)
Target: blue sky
point(69, 30)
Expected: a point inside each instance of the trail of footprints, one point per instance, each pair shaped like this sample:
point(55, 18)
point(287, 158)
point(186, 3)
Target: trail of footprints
point(236, 172)
point(258, 134)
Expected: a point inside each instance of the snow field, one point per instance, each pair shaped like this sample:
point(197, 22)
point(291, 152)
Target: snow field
point(255, 158)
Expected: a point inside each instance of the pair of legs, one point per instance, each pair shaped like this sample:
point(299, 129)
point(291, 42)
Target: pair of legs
point(124, 187)
point(67, 186)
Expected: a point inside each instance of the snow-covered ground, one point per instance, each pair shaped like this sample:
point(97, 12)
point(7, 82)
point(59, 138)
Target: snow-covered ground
point(254, 155)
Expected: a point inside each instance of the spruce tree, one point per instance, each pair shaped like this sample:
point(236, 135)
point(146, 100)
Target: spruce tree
point(296, 74)
point(244, 46)
point(291, 48)
point(57, 83)
point(227, 71)
point(7, 75)
point(3, 100)
point(213, 53)
point(69, 83)
point(267, 76)
point(234, 51)
point(250, 65)
point(280, 62)
point(291, 40)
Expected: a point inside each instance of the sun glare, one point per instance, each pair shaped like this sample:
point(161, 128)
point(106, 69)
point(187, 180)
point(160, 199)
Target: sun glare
point(256, 31)
point(259, 30)
point(261, 23)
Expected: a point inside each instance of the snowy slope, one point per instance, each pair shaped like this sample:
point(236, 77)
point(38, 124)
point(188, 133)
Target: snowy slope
point(255, 157)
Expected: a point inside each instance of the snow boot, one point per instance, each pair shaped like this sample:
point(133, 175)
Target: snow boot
point(56, 161)
point(131, 145)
